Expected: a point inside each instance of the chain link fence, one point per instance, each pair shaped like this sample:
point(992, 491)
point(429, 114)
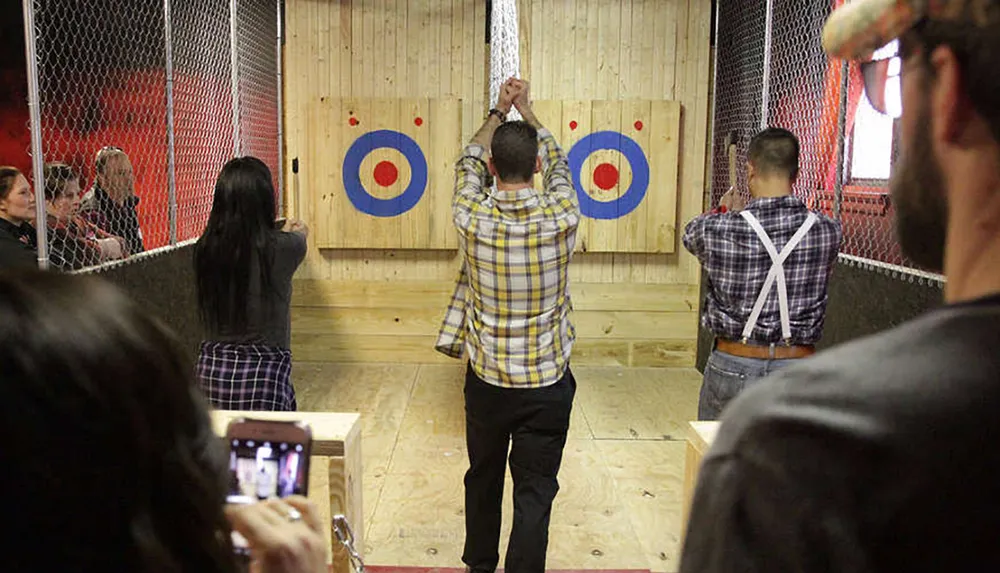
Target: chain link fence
point(258, 86)
point(135, 108)
point(772, 72)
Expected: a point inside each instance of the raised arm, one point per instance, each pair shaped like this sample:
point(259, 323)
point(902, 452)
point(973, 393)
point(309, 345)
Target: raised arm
point(556, 177)
point(471, 170)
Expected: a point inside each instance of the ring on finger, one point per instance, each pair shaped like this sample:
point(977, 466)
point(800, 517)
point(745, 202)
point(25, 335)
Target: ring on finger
point(294, 515)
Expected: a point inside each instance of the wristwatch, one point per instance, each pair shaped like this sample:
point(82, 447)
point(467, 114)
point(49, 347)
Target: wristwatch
point(500, 115)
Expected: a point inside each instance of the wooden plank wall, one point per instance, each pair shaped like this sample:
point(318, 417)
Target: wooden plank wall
point(653, 125)
point(571, 50)
point(433, 124)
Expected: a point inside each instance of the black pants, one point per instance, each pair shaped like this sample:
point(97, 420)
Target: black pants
point(536, 419)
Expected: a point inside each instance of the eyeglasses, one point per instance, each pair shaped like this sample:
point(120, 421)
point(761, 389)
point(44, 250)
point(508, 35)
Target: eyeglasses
point(882, 80)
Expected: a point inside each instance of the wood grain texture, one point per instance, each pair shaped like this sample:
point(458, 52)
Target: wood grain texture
point(435, 127)
point(329, 430)
point(655, 127)
point(584, 50)
point(619, 501)
point(423, 294)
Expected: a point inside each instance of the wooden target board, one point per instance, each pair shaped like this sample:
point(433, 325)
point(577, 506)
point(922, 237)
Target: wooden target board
point(382, 171)
point(624, 157)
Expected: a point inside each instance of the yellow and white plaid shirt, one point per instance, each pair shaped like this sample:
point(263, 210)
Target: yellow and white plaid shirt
point(510, 310)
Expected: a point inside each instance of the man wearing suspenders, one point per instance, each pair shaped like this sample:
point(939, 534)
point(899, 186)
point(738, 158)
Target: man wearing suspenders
point(879, 455)
point(768, 265)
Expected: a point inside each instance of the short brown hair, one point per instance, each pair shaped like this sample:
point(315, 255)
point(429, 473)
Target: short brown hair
point(775, 151)
point(514, 150)
point(57, 175)
point(974, 38)
point(7, 177)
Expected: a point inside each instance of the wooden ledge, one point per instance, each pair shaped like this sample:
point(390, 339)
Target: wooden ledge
point(329, 430)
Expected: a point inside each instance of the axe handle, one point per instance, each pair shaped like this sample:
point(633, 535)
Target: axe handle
point(732, 166)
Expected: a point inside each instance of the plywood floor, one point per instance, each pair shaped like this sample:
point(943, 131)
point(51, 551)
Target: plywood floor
point(621, 480)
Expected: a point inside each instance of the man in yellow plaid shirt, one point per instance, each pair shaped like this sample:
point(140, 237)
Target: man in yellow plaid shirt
point(510, 315)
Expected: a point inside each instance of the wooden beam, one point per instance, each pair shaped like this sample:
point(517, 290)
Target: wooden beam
point(419, 349)
point(404, 295)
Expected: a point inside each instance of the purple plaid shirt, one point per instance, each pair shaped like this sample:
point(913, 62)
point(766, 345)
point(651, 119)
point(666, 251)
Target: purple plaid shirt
point(737, 265)
point(246, 376)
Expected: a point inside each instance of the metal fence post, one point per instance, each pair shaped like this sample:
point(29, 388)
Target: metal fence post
point(765, 94)
point(35, 112)
point(281, 114)
point(838, 180)
point(235, 69)
point(171, 158)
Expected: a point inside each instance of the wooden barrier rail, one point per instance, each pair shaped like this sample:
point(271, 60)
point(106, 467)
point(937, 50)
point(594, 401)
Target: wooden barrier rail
point(700, 436)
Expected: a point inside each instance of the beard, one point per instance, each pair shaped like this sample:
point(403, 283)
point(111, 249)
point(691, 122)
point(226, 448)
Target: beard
point(918, 193)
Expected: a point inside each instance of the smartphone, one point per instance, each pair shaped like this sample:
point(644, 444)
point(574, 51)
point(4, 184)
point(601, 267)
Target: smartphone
point(267, 459)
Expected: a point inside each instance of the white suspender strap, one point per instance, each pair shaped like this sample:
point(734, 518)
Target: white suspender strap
point(777, 273)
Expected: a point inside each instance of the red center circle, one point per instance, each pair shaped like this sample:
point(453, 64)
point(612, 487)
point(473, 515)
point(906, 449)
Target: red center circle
point(386, 173)
point(573, 125)
point(606, 176)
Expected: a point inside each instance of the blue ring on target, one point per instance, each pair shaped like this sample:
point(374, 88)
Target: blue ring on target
point(636, 192)
point(363, 200)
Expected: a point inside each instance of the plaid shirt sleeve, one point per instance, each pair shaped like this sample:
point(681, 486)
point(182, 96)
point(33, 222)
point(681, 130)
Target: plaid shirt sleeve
point(470, 184)
point(556, 172)
point(451, 336)
point(694, 232)
point(470, 195)
point(694, 235)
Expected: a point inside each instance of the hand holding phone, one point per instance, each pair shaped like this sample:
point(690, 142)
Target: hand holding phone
point(285, 535)
point(268, 460)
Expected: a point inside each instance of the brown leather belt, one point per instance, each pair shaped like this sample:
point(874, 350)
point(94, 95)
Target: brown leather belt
point(765, 352)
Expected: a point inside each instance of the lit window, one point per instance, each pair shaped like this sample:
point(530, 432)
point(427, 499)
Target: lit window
point(871, 153)
point(874, 133)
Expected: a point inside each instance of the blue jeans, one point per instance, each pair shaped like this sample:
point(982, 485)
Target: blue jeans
point(726, 376)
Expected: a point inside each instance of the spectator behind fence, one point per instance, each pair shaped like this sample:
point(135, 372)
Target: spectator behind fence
point(17, 209)
point(111, 204)
point(110, 460)
point(244, 267)
point(880, 455)
point(74, 243)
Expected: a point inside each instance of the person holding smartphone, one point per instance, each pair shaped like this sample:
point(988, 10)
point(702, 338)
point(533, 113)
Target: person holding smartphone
point(110, 461)
point(244, 267)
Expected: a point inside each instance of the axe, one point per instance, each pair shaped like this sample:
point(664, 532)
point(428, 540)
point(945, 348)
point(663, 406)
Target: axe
point(731, 199)
point(731, 139)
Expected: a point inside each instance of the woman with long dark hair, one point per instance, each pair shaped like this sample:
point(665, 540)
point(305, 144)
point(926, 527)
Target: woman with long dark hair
point(109, 459)
point(244, 267)
point(17, 209)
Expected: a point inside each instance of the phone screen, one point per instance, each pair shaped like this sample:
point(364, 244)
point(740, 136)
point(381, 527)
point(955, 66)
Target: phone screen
point(262, 469)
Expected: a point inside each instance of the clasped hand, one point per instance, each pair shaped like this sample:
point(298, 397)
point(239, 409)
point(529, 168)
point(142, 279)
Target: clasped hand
point(514, 93)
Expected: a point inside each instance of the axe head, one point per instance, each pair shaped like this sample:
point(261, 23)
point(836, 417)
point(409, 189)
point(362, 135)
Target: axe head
point(732, 138)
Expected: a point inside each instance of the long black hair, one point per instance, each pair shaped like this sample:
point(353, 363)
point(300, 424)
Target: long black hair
point(109, 459)
point(238, 235)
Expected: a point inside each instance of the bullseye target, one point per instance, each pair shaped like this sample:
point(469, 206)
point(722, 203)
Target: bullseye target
point(399, 162)
point(616, 168)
